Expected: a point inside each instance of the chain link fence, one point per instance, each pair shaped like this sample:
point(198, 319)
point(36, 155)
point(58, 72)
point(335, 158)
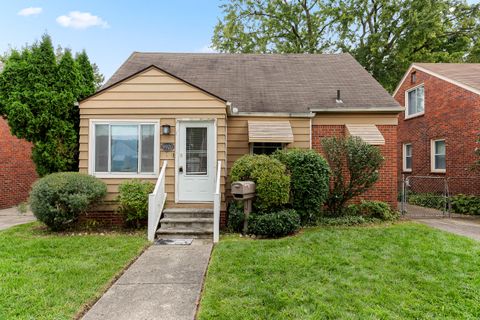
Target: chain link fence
point(432, 196)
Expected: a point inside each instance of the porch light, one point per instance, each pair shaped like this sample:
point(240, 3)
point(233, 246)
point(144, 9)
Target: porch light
point(165, 129)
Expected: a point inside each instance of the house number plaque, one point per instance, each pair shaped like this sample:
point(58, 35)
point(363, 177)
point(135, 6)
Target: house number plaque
point(167, 146)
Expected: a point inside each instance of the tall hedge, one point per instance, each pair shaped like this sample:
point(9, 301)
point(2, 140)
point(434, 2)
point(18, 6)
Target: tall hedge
point(271, 179)
point(309, 185)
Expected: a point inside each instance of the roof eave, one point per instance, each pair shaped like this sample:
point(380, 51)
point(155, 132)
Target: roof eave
point(359, 110)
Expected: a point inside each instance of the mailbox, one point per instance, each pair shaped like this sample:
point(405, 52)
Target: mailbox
point(243, 190)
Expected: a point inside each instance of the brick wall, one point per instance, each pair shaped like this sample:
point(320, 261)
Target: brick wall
point(386, 188)
point(17, 171)
point(451, 113)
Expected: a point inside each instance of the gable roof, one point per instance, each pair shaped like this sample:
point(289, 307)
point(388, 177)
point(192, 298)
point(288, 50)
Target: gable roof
point(464, 75)
point(292, 83)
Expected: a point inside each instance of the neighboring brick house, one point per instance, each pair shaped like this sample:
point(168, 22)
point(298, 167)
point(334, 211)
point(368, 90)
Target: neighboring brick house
point(438, 130)
point(17, 170)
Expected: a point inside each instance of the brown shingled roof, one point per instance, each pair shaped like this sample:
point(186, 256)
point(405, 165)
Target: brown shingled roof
point(465, 73)
point(293, 83)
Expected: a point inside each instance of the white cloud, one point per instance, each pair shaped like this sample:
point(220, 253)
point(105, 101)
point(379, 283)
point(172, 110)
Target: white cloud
point(207, 49)
point(81, 20)
point(29, 11)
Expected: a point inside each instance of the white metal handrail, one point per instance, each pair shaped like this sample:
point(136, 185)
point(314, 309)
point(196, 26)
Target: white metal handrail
point(156, 202)
point(216, 204)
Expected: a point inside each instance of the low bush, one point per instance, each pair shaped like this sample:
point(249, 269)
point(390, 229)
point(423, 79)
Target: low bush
point(133, 200)
point(274, 225)
point(271, 179)
point(373, 209)
point(309, 183)
point(235, 217)
point(465, 204)
point(428, 200)
point(348, 220)
point(58, 199)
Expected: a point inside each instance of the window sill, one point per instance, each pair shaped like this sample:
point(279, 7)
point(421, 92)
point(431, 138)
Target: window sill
point(407, 170)
point(416, 115)
point(124, 176)
point(438, 171)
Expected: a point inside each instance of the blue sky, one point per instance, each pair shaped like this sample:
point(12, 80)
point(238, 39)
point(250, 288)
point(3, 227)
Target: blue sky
point(111, 30)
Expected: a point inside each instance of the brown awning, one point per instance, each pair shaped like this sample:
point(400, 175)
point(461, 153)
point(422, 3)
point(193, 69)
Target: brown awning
point(367, 132)
point(270, 131)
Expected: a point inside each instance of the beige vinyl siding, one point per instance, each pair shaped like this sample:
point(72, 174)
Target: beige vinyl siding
point(153, 95)
point(237, 135)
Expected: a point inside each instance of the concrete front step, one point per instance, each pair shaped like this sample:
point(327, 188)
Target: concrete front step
point(184, 233)
point(187, 213)
point(185, 223)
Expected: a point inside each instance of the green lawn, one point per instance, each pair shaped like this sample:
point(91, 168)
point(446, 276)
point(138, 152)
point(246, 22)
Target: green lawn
point(48, 276)
point(402, 271)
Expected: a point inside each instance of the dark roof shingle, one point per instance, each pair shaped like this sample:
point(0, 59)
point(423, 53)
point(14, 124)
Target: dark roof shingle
point(292, 83)
point(466, 73)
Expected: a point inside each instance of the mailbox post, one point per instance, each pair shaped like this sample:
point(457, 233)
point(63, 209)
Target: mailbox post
point(245, 191)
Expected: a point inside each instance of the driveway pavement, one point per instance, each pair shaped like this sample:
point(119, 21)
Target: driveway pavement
point(462, 226)
point(11, 217)
point(164, 283)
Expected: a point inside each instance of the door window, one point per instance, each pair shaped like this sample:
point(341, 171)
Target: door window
point(196, 151)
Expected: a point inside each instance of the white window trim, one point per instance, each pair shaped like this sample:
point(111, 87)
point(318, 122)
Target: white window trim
point(432, 156)
point(414, 115)
point(404, 165)
point(123, 175)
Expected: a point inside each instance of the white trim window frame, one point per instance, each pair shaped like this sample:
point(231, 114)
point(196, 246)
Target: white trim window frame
point(121, 174)
point(267, 145)
point(435, 154)
point(407, 155)
point(418, 111)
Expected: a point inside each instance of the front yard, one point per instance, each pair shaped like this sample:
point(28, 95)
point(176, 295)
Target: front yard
point(50, 276)
point(401, 271)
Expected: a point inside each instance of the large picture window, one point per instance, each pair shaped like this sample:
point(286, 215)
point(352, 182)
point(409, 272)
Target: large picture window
point(438, 156)
point(124, 148)
point(415, 102)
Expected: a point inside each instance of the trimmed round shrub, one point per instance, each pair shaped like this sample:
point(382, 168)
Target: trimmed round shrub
point(133, 200)
point(58, 199)
point(275, 224)
point(271, 179)
point(235, 217)
point(309, 181)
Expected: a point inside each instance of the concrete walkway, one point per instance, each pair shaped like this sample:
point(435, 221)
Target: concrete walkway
point(164, 283)
point(11, 217)
point(465, 227)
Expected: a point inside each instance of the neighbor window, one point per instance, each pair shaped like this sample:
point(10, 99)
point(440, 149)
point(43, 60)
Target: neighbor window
point(127, 148)
point(438, 160)
point(407, 157)
point(415, 102)
point(266, 147)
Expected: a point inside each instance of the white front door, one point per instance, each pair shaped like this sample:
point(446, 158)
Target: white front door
point(195, 161)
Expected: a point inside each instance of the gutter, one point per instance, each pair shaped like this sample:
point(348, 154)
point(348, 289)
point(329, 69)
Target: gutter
point(233, 111)
point(353, 110)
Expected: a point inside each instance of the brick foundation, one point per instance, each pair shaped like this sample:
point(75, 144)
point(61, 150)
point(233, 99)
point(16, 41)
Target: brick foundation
point(386, 188)
point(102, 219)
point(17, 170)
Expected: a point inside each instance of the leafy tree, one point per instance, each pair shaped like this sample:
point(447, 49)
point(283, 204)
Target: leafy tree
point(354, 165)
point(385, 36)
point(281, 26)
point(38, 91)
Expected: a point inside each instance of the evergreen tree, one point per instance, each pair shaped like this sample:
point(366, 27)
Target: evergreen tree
point(39, 88)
